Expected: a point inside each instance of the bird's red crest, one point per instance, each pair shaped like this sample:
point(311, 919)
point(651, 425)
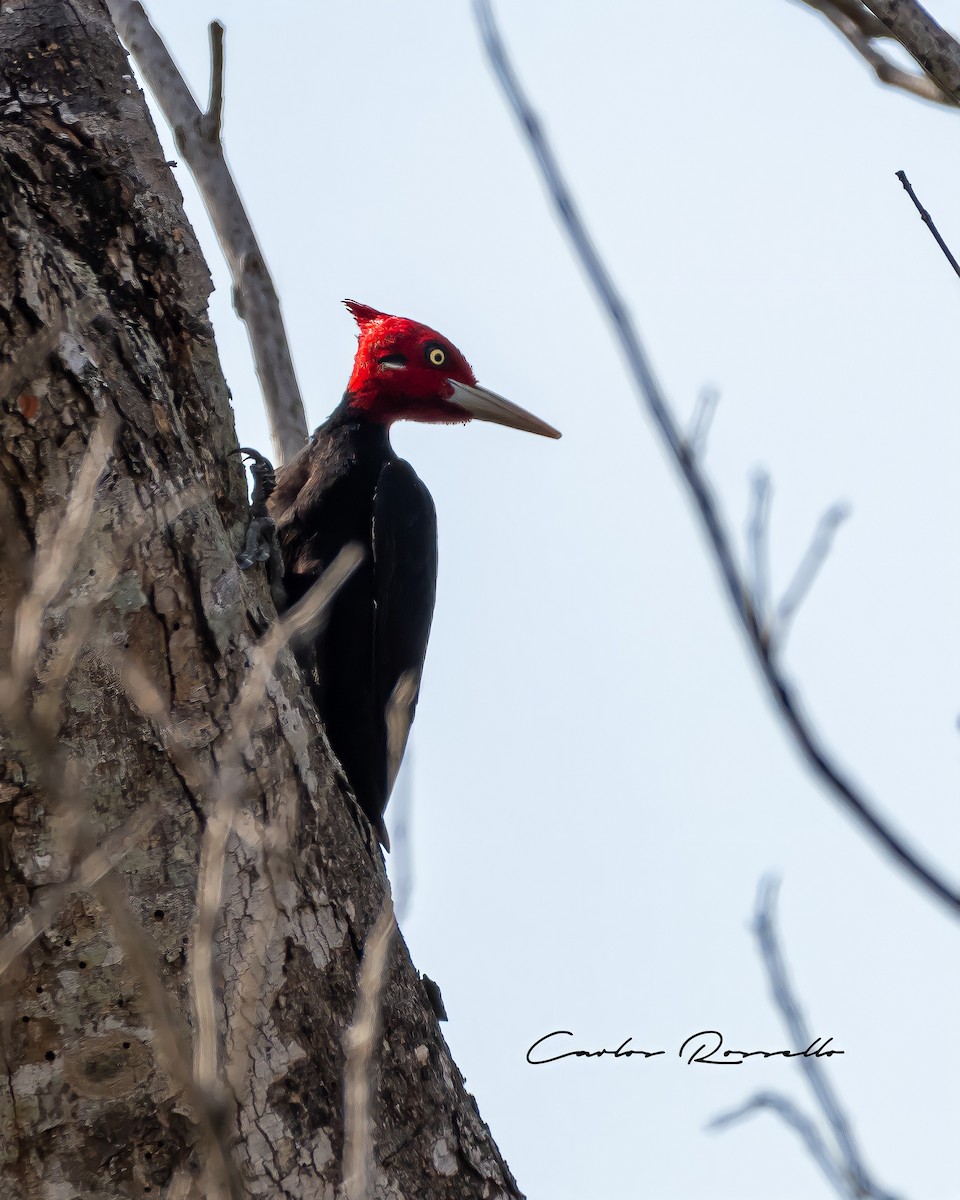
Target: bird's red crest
point(363, 314)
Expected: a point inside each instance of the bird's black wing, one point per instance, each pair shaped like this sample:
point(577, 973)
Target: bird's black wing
point(405, 582)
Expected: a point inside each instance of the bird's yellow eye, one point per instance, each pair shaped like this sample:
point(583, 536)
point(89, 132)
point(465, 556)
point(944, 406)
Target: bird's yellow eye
point(436, 356)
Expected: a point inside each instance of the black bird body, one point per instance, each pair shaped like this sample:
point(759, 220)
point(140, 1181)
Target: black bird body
point(347, 485)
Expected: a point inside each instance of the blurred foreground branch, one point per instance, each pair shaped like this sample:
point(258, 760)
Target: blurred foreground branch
point(359, 1081)
point(31, 707)
point(755, 618)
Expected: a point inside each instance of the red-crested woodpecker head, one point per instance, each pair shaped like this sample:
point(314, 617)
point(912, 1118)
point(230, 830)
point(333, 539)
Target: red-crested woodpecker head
point(406, 371)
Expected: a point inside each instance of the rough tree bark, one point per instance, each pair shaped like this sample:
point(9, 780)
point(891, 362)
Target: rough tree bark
point(94, 1098)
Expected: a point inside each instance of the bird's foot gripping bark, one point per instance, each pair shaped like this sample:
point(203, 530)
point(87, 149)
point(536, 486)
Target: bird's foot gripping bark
point(260, 544)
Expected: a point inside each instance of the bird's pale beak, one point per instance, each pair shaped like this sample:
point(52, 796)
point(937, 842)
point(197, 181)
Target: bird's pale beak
point(488, 406)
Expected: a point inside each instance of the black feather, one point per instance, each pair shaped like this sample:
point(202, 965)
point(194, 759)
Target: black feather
point(364, 665)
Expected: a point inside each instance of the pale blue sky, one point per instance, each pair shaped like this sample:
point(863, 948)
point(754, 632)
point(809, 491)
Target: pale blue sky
point(598, 783)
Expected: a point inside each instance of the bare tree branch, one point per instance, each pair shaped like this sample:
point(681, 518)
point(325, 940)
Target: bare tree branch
point(785, 1000)
point(803, 1125)
point(846, 1172)
point(855, 11)
point(254, 295)
point(862, 29)
point(920, 35)
point(806, 738)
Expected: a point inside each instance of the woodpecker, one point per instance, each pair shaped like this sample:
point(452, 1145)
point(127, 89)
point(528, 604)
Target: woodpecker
point(347, 485)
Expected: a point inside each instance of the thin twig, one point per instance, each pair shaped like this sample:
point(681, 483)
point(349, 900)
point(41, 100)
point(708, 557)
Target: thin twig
point(703, 413)
point(358, 1072)
point(305, 616)
point(31, 693)
point(224, 788)
point(88, 872)
point(804, 1126)
point(146, 697)
point(226, 800)
point(806, 572)
point(928, 220)
point(263, 919)
point(56, 556)
point(172, 1041)
point(764, 928)
point(758, 544)
point(37, 726)
point(401, 844)
point(111, 558)
point(847, 1173)
point(202, 780)
point(650, 392)
point(211, 125)
point(359, 1082)
point(255, 296)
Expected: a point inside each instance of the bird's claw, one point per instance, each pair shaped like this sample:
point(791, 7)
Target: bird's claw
point(260, 544)
point(256, 546)
point(264, 479)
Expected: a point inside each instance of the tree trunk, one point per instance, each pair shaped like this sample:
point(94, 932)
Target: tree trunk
point(103, 298)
